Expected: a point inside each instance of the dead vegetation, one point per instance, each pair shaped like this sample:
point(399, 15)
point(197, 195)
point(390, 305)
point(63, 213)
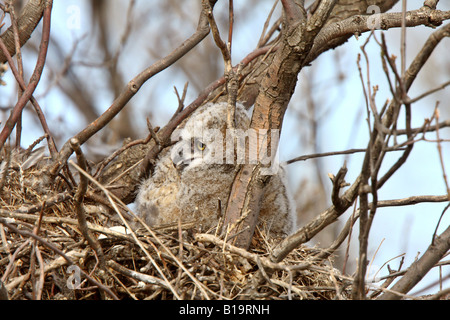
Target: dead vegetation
point(44, 251)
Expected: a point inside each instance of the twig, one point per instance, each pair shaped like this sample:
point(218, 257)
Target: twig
point(390, 278)
point(131, 89)
point(113, 155)
point(51, 201)
point(349, 223)
point(40, 286)
point(338, 184)
point(419, 268)
point(137, 275)
point(180, 99)
point(403, 42)
point(376, 149)
point(226, 54)
point(198, 284)
point(28, 90)
point(346, 231)
point(138, 242)
point(439, 221)
point(231, 76)
point(427, 93)
point(264, 38)
point(324, 154)
point(65, 220)
point(380, 204)
point(439, 148)
point(59, 252)
point(12, 259)
point(358, 290)
point(153, 133)
point(439, 294)
point(12, 15)
point(308, 231)
point(6, 162)
point(242, 252)
point(40, 114)
point(230, 24)
point(411, 201)
point(79, 197)
point(35, 253)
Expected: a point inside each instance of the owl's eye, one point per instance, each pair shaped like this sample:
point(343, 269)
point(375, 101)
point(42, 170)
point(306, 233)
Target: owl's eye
point(200, 145)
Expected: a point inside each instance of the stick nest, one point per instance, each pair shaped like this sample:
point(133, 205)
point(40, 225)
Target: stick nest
point(44, 254)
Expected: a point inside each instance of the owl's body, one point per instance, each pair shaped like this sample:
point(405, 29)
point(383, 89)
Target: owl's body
point(193, 178)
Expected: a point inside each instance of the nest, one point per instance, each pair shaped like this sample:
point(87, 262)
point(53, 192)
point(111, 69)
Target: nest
point(44, 254)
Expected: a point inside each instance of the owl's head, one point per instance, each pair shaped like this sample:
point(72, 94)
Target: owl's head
point(205, 138)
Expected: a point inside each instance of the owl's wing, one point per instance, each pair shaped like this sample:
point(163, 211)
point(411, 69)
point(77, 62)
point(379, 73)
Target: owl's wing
point(278, 208)
point(155, 201)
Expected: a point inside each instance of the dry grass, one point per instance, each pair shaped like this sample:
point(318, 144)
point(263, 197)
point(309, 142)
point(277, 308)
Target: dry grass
point(43, 254)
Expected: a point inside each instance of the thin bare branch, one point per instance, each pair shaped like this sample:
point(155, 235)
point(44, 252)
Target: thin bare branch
point(54, 248)
point(132, 88)
point(27, 22)
point(28, 91)
point(419, 268)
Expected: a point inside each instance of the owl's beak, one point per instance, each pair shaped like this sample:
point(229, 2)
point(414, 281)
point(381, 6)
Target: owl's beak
point(178, 160)
point(180, 166)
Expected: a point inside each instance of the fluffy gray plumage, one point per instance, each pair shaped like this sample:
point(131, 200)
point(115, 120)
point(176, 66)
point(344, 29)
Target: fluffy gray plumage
point(192, 176)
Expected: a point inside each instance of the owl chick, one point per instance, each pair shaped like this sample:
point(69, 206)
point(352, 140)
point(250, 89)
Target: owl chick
point(193, 178)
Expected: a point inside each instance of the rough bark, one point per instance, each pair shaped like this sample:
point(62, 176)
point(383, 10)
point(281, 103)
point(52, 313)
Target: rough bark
point(27, 22)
